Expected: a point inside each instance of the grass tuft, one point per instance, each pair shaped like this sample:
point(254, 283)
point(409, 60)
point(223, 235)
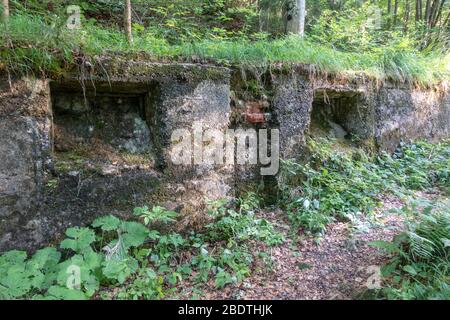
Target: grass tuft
point(29, 44)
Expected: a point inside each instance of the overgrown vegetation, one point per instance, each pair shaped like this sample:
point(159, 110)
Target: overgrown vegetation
point(345, 184)
point(339, 184)
point(137, 259)
point(36, 39)
point(419, 268)
point(115, 259)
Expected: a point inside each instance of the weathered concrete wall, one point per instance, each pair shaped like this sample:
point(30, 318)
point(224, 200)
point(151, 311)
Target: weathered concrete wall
point(383, 117)
point(178, 106)
point(292, 105)
point(282, 100)
point(408, 114)
point(46, 187)
point(25, 144)
point(43, 192)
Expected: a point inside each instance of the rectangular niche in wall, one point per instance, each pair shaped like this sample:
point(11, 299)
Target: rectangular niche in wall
point(103, 125)
point(341, 115)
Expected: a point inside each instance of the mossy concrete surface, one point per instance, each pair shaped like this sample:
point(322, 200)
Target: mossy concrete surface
point(98, 141)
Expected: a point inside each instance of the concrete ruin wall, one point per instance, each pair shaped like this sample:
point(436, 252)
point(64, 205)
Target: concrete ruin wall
point(25, 144)
point(75, 149)
point(59, 167)
point(402, 114)
point(292, 105)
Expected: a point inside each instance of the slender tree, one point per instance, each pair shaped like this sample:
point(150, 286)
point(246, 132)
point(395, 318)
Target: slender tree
point(433, 12)
point(127, 18)
point(438, 6)
point(396, 3)
point(418, 10)
point(407, 15)
point(427, 11)
point(296, 17)
point(5, 9)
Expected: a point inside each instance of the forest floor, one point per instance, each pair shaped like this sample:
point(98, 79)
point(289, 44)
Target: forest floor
point(341, 265)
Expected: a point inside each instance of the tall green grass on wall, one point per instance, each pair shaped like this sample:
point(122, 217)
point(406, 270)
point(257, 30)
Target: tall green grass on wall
point(29, 44)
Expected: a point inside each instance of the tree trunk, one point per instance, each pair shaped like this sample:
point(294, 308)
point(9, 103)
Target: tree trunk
point(395, 12)
point(407, 15)
point(302, 19)
point(433, 12)
point(296, 18)
point(438, 6)
point(5, 9)
point(265, 17)
point(427, 12)
point(418, 10)
point(128, 21)
point(262, 16)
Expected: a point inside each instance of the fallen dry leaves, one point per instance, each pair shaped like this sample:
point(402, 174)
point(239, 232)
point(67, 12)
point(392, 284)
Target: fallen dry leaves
point(336, 267)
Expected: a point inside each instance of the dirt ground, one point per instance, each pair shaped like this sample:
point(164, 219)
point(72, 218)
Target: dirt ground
point(338, 266)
